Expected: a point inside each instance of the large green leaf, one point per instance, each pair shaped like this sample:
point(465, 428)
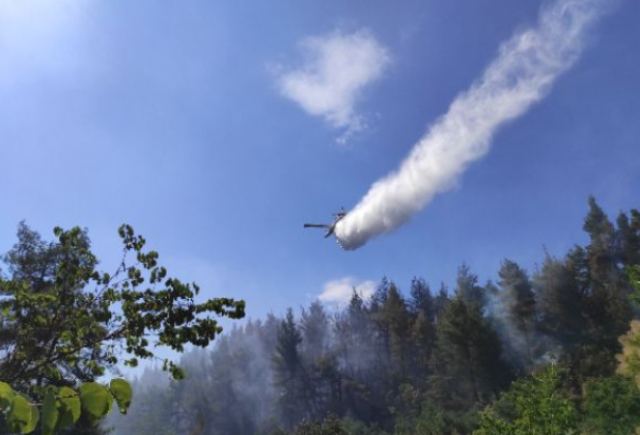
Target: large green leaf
point(22, 416)
point(6, 395)
point(122, 392)
point(49, 413)
point(69, 407)
point(35, 416)
point(96, 399)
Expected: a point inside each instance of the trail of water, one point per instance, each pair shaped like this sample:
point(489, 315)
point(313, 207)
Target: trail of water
point(522, 74)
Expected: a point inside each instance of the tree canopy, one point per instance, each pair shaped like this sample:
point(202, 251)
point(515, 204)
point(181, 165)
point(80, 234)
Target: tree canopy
point(536, 352)
point(64, 324)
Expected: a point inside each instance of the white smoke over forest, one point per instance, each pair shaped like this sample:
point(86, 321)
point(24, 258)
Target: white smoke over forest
point(522, 74)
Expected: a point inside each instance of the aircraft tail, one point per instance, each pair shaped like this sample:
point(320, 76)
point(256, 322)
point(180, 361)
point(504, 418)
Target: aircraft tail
point(316, 226)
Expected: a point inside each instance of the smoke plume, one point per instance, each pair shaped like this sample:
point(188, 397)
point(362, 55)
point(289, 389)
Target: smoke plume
point(523, 72)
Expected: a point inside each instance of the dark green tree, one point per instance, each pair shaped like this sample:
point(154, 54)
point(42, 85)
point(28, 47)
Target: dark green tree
point(289, 374)
point(395, 321)
point(468, 289)
point(64, 323)
point(323, 375)
point(354, 334)
point(421, 300)
point(560, 298)
point(628, 238)
point(600, 251)
point(314, 324)
point(567, 313)
point(518, 300)
point(467, 363)
point(610, 405)
point(358, 355)
point(440, 302)
point(329, 426)
point(536, 405)
point(608, 305)
point(422, 344)
point(423, 313)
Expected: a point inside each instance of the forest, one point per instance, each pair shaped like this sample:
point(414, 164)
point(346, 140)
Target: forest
point(554, 350)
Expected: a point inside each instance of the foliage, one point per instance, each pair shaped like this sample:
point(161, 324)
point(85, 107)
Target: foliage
point(468, 368)
point(518, 299)
point(64, 323)
point(422, 362)
point(610, 405)
point(536, 405)
point(290, 374)
point(634, 278)
point(629, 359)
point(61, 407)
point(430, 421)
point(329, 426)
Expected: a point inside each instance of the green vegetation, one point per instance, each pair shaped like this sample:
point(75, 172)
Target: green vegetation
point(535, 405)
point(530, 354)
point(64, 324)
point(554, 352)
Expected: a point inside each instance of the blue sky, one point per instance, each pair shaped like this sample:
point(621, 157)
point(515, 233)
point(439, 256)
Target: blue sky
point(170, 116)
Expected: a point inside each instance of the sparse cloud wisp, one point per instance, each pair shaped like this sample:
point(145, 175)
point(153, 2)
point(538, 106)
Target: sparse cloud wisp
point(335, 70)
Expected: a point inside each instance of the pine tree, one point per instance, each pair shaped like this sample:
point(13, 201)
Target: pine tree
point(467, 360)
point(422, 306)
point(628, 239)
point(353, 331)
point(560, 300)
point(359, 357)
point(608, 308)
point(600, 253)
point(380, 294)
point(381, 335)
point(289, 376)
point(468, 289)
point(518, 300)
point(440, 302)
point(394, 319)
point(423, 341)
point(268, 334)
point(421, 299)
point(315, 326)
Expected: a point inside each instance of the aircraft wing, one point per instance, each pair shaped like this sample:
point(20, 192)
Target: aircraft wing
point(317, 226)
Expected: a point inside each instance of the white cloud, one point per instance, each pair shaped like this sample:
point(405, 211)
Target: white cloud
point(336, 68)
point(339, 291)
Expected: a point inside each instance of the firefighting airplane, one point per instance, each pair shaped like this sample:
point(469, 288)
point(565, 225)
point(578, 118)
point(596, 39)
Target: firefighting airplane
point(331, 228)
